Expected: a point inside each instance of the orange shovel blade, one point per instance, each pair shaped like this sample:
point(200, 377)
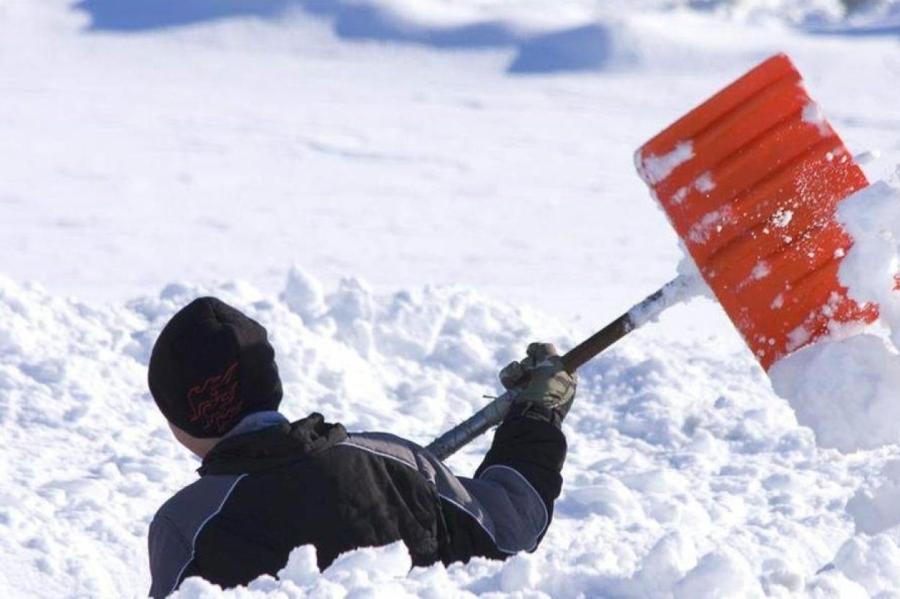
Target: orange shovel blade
point(751, 179)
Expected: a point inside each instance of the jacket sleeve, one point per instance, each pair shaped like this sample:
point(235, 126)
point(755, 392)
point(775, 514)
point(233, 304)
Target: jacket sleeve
point(507, 507)
point(169, 553)
point(510, 500)
point(534, 449)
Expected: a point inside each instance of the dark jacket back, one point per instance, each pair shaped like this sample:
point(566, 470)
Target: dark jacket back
point(263, 493)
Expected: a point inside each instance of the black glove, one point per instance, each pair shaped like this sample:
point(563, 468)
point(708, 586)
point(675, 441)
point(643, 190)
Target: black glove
point(545, 389)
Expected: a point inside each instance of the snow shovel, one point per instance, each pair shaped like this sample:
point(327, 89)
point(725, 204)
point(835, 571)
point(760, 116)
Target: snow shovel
point(750, 180)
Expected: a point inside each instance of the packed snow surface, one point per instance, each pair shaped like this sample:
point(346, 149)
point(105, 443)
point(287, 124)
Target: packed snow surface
point(455, 179)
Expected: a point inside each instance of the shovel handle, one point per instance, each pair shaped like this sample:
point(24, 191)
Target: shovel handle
point(493, 413)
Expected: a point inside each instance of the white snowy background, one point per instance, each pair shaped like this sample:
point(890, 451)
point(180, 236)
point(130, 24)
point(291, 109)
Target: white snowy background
point(405, 192)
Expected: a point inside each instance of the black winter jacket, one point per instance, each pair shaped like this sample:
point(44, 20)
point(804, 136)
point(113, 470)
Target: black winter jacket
point(263, 493)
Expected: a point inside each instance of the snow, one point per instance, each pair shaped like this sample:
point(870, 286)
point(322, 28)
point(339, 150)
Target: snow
point(705, 183)
point(303, 295)
point(812, 114)
point(663, 492)
point(760, 271)
point(875, 510)
point(861, 367)
point(860, 371)
point(372, 572)
point(710, 222)
point(719, 575)
point(685, 287)
point(782, 218)
point(872, 562)
point(406, 193)
point(872, 217)
point(657, 168)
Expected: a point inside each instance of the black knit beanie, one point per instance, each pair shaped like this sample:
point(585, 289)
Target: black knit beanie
point(210, 367)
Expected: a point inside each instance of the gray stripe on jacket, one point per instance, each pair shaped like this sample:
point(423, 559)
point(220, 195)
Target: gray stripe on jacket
point(176, 526)
point(501, 500)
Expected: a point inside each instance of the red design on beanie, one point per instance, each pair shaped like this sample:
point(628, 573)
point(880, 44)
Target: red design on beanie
point(215, 402)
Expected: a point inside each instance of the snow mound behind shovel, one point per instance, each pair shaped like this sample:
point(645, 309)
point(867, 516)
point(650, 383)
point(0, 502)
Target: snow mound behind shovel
point(847, 387)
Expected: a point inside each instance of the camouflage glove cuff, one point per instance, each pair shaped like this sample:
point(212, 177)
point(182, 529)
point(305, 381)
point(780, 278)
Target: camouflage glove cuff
point(541, 382)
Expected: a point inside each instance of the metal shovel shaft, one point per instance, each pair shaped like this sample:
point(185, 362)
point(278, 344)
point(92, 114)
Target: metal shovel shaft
point(492, 414)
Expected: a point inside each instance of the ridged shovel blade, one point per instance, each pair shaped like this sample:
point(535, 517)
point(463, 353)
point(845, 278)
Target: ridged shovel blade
point(751, 179)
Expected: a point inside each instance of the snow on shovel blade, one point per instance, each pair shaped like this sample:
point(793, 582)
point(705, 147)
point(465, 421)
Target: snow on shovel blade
point(750, 180)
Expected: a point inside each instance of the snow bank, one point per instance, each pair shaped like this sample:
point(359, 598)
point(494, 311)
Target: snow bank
point(577, 35)
point(86, 458)
point(462, 22)
point(845, 387)
point(673, 489)
point(375, 573)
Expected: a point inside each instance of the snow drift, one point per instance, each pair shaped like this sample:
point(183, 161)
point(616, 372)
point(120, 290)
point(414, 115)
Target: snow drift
point(670, 487)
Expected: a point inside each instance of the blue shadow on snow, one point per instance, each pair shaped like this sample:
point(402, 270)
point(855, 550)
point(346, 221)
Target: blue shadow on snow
point(143, 15)
point(874, 30)
point(578, 49)
point(369, 22)
point(581, 49)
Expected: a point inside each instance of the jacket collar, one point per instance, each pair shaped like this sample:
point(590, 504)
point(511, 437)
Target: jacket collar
point(271, 445)
point(256, 421)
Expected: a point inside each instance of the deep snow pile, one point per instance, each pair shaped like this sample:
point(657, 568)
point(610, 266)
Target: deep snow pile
point(672, 488)
point(845, 387)
point(87, 459)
